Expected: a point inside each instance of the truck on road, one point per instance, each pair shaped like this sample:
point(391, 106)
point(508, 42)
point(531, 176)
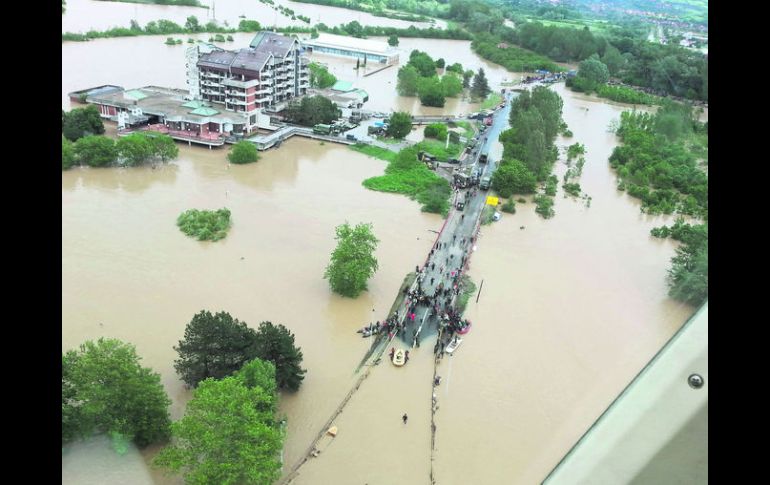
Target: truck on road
point(485, 182)
point(484, 156)
point(322, 129)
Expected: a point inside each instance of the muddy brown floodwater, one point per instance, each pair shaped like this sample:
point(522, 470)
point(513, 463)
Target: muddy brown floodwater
point(571, 309)
point(85, 15)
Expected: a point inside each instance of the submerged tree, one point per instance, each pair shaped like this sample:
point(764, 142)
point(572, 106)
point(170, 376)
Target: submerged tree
point(229, 433)
point(480, 87)
point(106, 390)
point(218, 345)
point(82, 122)
point(352, 262)
point(276, 344)
point(213, 346)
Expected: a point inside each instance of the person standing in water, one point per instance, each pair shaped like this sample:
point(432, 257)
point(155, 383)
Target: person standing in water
point(404, 417)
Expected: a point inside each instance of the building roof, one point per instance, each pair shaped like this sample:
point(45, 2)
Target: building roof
point(269, 42)
point(204, 111)
point(250, 59)
point(345, 42)
point(343, 86)
point(135, 94)
point(194, 104)
point(217, 59)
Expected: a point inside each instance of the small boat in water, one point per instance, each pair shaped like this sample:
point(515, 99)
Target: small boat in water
point(465, 329)
point(399, 357)
point(453, 345)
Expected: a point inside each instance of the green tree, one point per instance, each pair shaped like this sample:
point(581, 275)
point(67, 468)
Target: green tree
point(431, 91)
point(456, 68)
point(106, 390)
point(275, 343)
point(513, 177)
point(613, 59)
point(213, 346)
point(408, 76)
point(400, 124)
point(312, 110)
point(436, 130)
point(67, 154)
point(594, 71)
point(192, 24)
point(549, 104)
point(243, 152)
point(96, 151)
point(393, 40)
point(467, 76)
point(320, 77)
point(81, 122)
point(163, 147)
point(480, 87)
point(688, 278)
point(352, 262)
point(451, 85)
point(134, 149)
point(423, 63)
point(229, 433)
point(440, 63)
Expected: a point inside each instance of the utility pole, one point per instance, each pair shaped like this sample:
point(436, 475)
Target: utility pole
point(479, 294)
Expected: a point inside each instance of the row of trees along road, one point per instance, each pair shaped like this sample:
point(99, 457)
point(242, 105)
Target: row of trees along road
point(528, 146)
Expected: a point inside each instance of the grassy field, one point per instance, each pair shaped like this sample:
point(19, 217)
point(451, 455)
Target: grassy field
point(467, 128)
point(596, 26)
point(492, 100)
point(406, 175)
point(437, 148)
point(376, 152)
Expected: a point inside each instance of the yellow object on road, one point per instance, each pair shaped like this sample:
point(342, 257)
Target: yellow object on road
point(492, 200)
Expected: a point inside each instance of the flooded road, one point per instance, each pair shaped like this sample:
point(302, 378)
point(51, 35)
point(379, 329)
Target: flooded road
point(571, 308)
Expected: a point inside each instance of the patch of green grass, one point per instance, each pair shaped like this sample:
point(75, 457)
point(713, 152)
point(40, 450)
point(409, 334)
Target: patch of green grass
point(466, 126)
point(375, 152)
point(437, 148)
point(389, 141)
point(406, 175)
point(492, 100)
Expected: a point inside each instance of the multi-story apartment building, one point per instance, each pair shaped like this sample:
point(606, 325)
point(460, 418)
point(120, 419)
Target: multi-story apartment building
point(249, 81)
